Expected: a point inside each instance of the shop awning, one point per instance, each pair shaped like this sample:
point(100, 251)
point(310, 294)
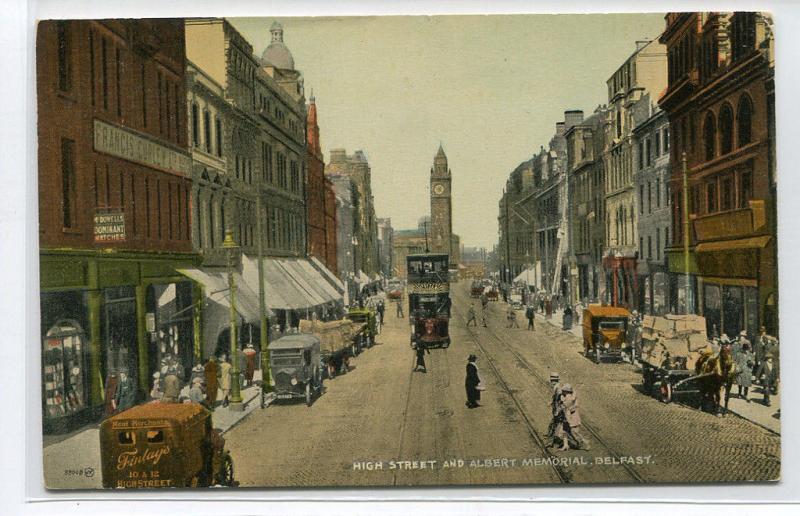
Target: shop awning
point(527, 276)
point(217, 292)
point(330, 276)
point(733, 245)
point(291, 283)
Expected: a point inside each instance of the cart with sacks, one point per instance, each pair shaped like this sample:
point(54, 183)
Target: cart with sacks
point(339, 341)
point(669, 349)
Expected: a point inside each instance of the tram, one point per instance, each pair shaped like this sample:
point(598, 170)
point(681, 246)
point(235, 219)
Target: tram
point(429, 300)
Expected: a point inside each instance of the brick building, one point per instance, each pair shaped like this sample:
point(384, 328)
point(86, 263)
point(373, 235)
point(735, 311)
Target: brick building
point(320, 199)
point(721, 113)
point(114, 209)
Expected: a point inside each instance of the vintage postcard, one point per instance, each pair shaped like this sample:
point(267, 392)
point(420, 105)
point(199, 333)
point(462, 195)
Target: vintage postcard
point(408, 251)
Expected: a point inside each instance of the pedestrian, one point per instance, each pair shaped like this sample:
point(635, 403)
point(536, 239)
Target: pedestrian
point(556, 411)
point(471, 315)
point(765, 376)
point(571, 420)
point(381, 310)
point(156, 393)
point(125, 396)
point(512, 318)
point(744, 370)
point(197, 372)
point(530, 313)
point(249, 353)
point(484, 300)
point(566, 318)
point(224, 375)
point(759, 347)
point(740, 341)
point(473, 383)
point(172, 386)
point(210, 371)
point(110, 394)
point(196, 393)
point(483, 316)
point(420, 352)
point(400, 314)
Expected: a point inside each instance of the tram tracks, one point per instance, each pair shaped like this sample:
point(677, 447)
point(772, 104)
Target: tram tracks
point(523, 363)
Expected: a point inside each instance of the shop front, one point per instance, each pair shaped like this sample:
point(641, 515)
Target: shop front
point(95, 327)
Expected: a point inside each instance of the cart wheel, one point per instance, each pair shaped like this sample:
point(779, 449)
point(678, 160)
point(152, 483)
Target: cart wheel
point(225, 476)
point(597, 354)
point(308, 394)
point(331, 370)
point(665, 391)
point(633, 355)
point(346, 364)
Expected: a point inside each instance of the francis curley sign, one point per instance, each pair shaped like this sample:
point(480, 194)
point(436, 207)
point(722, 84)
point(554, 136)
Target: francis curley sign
point(131, 146)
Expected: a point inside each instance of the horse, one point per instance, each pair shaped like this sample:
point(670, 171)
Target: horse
point(715, 373)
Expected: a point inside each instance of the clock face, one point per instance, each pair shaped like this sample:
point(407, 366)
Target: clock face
point(438, 189)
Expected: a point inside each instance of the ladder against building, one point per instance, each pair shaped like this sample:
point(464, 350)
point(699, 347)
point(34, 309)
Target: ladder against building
point(562, 238)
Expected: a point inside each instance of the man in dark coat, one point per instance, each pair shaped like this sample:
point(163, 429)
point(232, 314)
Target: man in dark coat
point(420, 351)
point(529, 313)
point(472, 382)
point(125, 396)
point(381, 310)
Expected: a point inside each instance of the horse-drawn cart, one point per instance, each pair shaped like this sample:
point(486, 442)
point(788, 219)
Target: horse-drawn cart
point(670, 348)
point(339, 341)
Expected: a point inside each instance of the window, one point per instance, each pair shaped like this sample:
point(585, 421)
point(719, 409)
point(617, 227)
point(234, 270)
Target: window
point(147, 205)
point(144, 96)
point(641, 198)
point(695, 200)
point(266, 157)
point(207, 129)
point(711, 197)
point(745, 189)
point(619, 124)
point(725, 129)
point(195, 125)
point(218, 133)
point(726, 202)
point(104, 71)
point(649, 247)
point(647, 149)
point(64, 57)
point(649, 198)
point(743, 34)
point(67, 183)
point(658, 193)
point(295, 176)
point(666, 139)
point(666, 237)
point(658, 143)
point(744, 120)
point(91, 65)
point(641, 247)
point(641, 154)
point(709, 136)
point(658, 243)
point(118, 80)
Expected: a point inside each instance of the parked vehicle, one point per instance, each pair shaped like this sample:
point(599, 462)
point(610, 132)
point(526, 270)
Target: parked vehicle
point(604, 331)
point(163, 445)
point(429, 299)
point(368, 318)
point(339, 341)
point(670, 348)
point(394, 290)
point(476, 289)
point(296, 365)
point(492, 294)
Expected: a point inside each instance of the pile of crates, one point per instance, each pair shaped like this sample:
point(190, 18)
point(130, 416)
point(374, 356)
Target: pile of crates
point(681, 337)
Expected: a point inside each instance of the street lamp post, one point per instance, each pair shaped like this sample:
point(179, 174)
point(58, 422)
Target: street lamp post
point(236, 396)
point(688, 299)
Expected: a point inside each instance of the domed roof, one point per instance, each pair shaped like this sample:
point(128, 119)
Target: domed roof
point(277, 53)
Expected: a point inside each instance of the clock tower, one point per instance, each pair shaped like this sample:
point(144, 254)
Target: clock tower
point(441, 229)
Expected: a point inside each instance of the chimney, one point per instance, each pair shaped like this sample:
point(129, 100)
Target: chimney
point(338, 155)
point(560, 129)
point(572, 117)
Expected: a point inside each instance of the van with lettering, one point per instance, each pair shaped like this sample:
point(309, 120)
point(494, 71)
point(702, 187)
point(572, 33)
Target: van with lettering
point(163, 445)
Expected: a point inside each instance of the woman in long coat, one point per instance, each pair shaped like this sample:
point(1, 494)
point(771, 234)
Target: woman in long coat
point(224, 375)
point(210, 372)
point(744, 369)
point(471, 383)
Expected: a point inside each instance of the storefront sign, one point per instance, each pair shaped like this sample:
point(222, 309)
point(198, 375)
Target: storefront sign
point(126, 144)
point(109, 226)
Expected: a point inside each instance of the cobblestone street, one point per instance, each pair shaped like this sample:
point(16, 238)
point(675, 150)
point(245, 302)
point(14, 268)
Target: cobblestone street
point(382, 424)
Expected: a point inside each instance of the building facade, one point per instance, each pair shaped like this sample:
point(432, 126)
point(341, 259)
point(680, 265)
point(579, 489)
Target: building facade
point(720, 109)
point(644, 71)
point(356, 167)
point(386, 247)
point(586, 176)
point(651, 178)
point(114, 175)
point(316, 213)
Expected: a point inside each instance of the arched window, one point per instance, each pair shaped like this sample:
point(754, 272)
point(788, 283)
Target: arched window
point(709, 136)
point(725, 129)
point(744, 120)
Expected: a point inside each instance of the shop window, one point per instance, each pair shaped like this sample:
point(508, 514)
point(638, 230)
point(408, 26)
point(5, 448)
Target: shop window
point(709, 136)
point(712, 303)
point(63, 370)
point(127, 438)
point(155, 436)
point(744, 121)
point(725, 129)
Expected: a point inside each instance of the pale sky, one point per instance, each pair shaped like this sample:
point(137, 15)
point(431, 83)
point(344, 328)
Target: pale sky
point(490, 88)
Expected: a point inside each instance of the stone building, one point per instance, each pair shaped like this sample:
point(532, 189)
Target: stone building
point(404, 243)
point(516, 222)
point(385, 247)
point(586, 173)
point(651, 178)
point(720, 105)
point(114, 178)
point(644, 71)
point(356, 167)
point(347, 261)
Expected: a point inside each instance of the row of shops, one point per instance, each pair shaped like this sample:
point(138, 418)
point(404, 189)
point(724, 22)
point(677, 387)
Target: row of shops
point(107, 314)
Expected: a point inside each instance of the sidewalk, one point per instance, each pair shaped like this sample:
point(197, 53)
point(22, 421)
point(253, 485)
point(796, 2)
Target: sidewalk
point(75, 461)
point(755, 411)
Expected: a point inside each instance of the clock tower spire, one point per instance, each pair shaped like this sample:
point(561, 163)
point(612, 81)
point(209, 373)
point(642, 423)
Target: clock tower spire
point(441, 205)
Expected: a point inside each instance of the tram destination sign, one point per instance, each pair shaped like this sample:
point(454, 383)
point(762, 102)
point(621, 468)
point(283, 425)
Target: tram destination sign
point(109, 226)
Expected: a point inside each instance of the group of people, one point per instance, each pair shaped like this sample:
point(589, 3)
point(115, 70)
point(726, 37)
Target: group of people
point(738, 361)
point(564, 429)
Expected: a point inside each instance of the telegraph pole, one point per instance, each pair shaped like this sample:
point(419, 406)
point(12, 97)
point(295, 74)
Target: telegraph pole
point(686, 233)
point(266, 384)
